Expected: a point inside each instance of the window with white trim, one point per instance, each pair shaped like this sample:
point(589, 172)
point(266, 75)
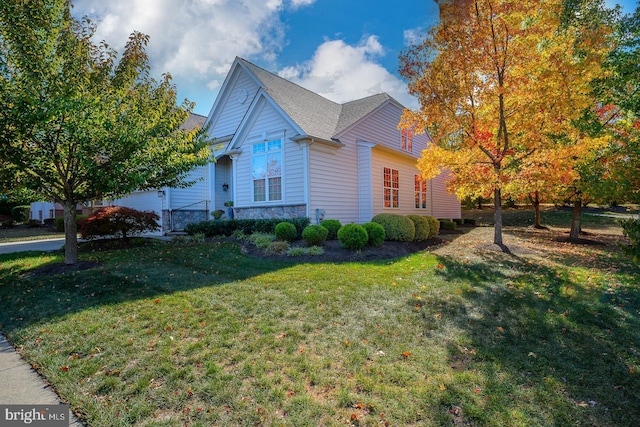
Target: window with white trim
point(406, 139)
point(420, 192)
point(266, 163)
point(391, 188)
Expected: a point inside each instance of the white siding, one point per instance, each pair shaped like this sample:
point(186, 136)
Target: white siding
point(143, 201)
point(268, 119)
point(333, 182)
point(230, 111)
point(445, 204)
point(195, 197)
point(380, 128)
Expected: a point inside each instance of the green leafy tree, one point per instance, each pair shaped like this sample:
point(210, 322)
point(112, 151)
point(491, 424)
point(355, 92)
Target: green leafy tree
point(78, 121)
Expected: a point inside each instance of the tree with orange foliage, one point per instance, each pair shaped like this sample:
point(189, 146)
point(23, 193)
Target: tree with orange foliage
point(496, 79)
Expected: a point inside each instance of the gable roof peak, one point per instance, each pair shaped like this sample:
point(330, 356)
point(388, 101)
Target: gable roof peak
point(316, 115)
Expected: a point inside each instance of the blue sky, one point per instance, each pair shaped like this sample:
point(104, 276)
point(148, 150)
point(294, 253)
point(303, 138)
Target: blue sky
point(342, 49)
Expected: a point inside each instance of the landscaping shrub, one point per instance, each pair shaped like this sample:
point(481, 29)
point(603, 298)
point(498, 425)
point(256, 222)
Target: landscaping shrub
point(20, 213)
point(315, 235)
point(332, 226)
point(375, 232)
point(631, 229)
point(396, 227)
point(277, 248)
point(6, 221)
point(447, 224)
point(434, 226)
point(286, 231)
point(118, 221)
point(421, 225)
point(353, 236)
point(469, 221)
point(261, 240)
point(458, 221)
point(227, 227)
point(314, 251)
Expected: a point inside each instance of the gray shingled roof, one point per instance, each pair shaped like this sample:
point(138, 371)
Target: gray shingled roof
point(193, 121)
point(317, 116)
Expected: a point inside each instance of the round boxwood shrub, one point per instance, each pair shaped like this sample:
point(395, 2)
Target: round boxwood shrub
point(314, 235)
point(422, 227)
point(20, 213)
point(332, 226)
point(353, 236)
point(286, 231)
point(434, 226)
point(396, 227)
point(375, 232)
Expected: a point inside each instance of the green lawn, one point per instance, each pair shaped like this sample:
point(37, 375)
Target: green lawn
point(21, 234)
point(200, 334)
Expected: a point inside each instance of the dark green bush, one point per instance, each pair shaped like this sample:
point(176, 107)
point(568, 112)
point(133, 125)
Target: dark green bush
point(6, 221)
point(332, 226)
point(375, 232)
point(315, 235)
point(353, 236)
point(434, 226)
point(286, 231)
point(422, 226)
point(118, 221)
point(458, 221)
point(396, 227)
point(246, 226)
point(447, 224)
point(631, 229)
point(20, 213)
point(469, 221)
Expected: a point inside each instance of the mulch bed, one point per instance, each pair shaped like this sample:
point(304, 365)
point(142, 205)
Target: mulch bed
point(334, 252)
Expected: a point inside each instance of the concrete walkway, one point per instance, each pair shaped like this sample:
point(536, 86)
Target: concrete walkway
point(21, 385)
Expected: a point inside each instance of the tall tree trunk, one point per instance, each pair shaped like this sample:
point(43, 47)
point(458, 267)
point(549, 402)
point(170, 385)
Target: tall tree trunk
point(497, 217)
point(576, 219)
point(535, 202)
point(70, 234)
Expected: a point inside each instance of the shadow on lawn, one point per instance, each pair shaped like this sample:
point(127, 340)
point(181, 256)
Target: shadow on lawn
point(116, 276)
point(555, 346)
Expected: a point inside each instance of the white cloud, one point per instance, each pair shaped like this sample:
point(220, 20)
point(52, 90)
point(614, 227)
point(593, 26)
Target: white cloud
point(342, 72)
point(194, 40)
point(300, 3)
point(413, 36)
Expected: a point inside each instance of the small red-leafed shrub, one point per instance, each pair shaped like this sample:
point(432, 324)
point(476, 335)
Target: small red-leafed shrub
point(118, 221)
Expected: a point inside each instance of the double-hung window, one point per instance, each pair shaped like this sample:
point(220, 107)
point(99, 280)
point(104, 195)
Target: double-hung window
point(406, 139)
point(391, 188)
point(267, 171)
point(420, 192)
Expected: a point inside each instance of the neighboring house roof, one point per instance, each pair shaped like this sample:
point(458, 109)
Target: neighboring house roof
point(193, 121)
point(316, 115)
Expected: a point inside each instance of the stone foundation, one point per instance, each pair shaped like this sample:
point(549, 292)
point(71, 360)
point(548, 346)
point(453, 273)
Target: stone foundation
point(178, 220)
point(277, 212)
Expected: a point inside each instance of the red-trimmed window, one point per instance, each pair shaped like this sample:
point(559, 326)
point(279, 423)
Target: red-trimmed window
point(406, 139)
point(391, 184)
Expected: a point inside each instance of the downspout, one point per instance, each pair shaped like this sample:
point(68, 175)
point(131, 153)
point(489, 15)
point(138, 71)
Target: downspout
point(431, 195)
point(307, 200)
point(168, 192)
